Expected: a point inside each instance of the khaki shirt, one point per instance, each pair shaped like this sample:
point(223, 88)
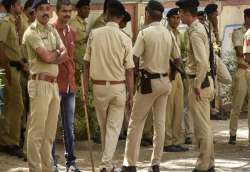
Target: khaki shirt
point(238, 39)
point(100, 22)
point(109, 52)
point(80, 27)
point(10, 39)
point(38, 35)
point(155, 46)
point(198, 58)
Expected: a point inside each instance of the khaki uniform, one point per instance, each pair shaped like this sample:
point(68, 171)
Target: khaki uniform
point(100, 22)
point(198, 65)
point(42, 121)
point(246, 50)
point(155, 47)
point(240, 83)
point(13, 106)
point(187, 117)
point(80, 27)
point(109, 52)
point(175, 105)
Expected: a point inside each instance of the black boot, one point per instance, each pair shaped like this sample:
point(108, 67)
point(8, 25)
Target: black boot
point(154, 168)
point(126, 169)
point(232, 140)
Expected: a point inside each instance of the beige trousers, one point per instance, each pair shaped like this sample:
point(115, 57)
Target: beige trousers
point(10, 121)
point(44, 110)
point(148, 128)
point(200, 109)
point(174, 112)
point(240, 90)
point(187, 123)
point(109, 101)
point(143, 103)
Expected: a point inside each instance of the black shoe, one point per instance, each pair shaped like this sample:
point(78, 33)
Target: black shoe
point(232, 140)
point(195, 170)
point(154, 168)
point(212, 169)
point(145, 142)
point(126, 169)
point(174, 148)
point(12, 151)
point(104, 170)
point(181, 148)
point(188, 141)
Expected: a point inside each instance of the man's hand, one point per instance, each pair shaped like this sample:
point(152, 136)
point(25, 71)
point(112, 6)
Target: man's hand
point(85, 99)
point(247, 57)
point(198, 93)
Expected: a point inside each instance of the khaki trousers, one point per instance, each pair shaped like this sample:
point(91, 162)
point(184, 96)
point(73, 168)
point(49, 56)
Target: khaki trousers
point(200, 110)
point(109, 101)
point(10, 122)
point(143, 103)
point(187, 123)
point(44, 110)
point(240, 90)
point(148, 128)
point(174, 112)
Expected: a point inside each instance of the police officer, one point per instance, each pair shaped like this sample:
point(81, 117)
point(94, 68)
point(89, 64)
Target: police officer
point(175, 104)
point(240, 83)
point(79, 25)
point(10, 50)
point(45, 51)
point(201, 89)
point(109, 62)
point(155, 47)
point(246, 56)
point(211, 11)
point(202, 17)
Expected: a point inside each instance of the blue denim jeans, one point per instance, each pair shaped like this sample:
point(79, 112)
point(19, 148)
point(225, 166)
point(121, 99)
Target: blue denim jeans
point(67, 114)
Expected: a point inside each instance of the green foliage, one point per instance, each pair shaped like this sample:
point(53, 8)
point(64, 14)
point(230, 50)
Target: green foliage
point(226, 90)
point(80, 122)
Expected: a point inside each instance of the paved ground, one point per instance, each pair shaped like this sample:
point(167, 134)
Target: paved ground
point(228, 158)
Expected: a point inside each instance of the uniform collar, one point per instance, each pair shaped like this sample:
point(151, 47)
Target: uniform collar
point(41, 27)
point(154, 24)
point(12, 18)
point(171, 29)
point(244, 29)
point(83, 21)
point(113, 24)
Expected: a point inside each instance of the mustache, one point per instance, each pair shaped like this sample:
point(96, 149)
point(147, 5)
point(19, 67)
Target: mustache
point(66, 17)
point(45, 15)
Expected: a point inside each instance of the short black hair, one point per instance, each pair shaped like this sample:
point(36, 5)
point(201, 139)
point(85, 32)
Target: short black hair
point(105, 6)
point(8, 3)
point(126, 17)
point(60, 3)
point(115, 9)
point(192, 10)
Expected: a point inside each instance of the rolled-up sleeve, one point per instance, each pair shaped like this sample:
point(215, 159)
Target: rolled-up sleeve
point(201, 57)
point(128, 60)
point(139, 46)
point(87, 55)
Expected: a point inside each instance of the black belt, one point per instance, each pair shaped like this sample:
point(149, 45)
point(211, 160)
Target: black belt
point(148, 75)
point(194, 76)
point(17, 64)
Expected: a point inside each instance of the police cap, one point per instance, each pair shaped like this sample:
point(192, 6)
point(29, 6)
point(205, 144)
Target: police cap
point(211, 8)
point(37, 3)
point(187, 4)
point(173, 12)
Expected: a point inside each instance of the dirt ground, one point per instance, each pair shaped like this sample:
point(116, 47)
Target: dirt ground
point(229, 158)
